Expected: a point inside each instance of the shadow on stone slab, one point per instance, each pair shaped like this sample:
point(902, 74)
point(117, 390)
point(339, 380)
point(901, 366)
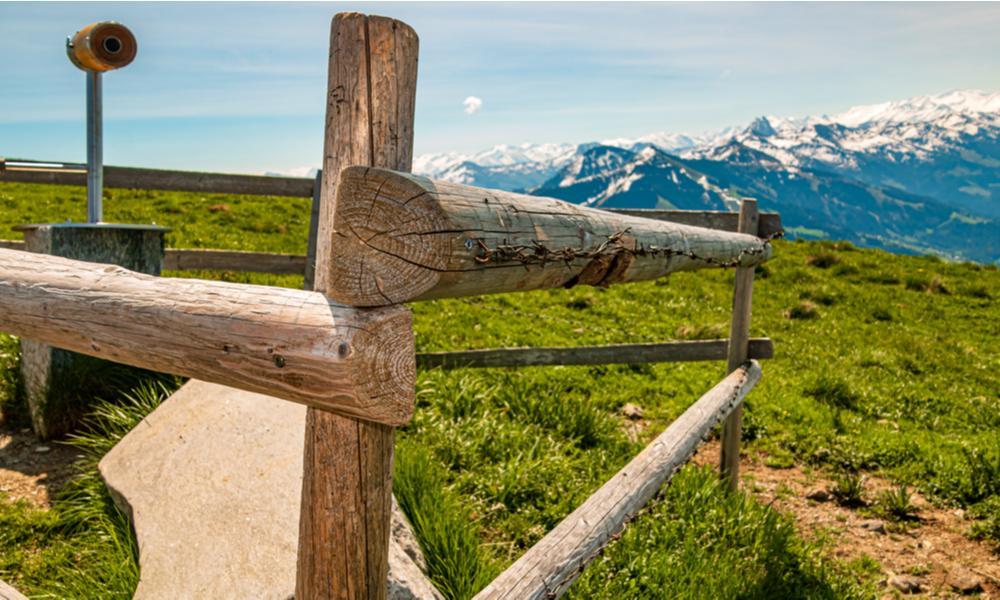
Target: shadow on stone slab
point(211, 481)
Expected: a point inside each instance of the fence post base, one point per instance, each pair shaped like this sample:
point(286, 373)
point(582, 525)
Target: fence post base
point(60, 385)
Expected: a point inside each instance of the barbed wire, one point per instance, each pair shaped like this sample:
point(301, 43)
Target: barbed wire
point(538, 253)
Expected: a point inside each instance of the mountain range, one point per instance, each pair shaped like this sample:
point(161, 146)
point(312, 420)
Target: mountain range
point(920, 175)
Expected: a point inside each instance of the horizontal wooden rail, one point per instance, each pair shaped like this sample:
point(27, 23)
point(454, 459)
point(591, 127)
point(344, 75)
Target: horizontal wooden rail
point(292, 344)
point(694, 350)
point(33, 171)
point(401, 237)
point(26, 171)
point(548, 568)
point(185, 259)
point(234, 260)
point(769, 225)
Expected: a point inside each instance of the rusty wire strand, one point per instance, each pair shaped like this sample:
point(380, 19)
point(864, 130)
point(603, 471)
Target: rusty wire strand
point(538, 253)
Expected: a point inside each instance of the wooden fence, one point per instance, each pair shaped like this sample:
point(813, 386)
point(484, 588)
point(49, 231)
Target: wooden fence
point(16, 170)
point(382, 238)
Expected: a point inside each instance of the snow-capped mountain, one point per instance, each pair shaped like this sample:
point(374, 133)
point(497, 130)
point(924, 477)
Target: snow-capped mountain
point(914, 175)
point(945, 146)
point(504, 166)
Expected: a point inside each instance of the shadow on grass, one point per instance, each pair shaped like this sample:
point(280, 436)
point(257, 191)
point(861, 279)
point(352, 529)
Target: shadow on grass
point(83, 547)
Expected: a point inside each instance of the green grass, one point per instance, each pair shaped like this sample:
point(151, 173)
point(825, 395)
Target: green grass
point(896, 504)
point(697, 529)
point(261, 223)
point(83, 546)
point(884, 364)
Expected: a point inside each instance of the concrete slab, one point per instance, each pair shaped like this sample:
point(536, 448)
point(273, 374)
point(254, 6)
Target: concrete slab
point(9, 593)
point(60, 386)
point(211, 480)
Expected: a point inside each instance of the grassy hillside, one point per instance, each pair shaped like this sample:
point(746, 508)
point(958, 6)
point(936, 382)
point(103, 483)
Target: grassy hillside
point(884, 364)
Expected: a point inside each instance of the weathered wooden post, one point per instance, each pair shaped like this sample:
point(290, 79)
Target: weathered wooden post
point(347, 479)
point(739, 336)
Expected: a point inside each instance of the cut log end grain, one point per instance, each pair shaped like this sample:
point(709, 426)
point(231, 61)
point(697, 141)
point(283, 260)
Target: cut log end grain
point(385, 372)
point(383, 243)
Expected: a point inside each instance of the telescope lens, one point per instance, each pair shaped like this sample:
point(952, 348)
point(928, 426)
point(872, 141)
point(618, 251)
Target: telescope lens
point(112, 44)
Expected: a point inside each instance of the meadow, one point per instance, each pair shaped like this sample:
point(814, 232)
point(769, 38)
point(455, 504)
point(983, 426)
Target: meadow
point(884, 365)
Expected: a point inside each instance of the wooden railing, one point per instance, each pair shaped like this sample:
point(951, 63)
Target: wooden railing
point(383, 238)
point(17, 170)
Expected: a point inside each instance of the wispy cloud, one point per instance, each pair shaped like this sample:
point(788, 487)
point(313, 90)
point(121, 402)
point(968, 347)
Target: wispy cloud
point(472, 105)
point(215, 96)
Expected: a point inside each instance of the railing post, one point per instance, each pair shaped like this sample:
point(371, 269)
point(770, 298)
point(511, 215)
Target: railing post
point(738, 351)
point(347, 476)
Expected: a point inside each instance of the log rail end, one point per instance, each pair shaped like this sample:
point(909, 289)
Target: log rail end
point(398, 237)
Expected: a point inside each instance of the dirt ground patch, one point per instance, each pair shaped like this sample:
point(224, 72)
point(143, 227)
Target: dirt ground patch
point(930, 552)
point(33, 470)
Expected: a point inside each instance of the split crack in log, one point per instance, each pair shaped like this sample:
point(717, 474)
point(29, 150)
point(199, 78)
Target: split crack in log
point(418, 239)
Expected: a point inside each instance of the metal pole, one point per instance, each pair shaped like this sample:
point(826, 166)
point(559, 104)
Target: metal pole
point(95, 152)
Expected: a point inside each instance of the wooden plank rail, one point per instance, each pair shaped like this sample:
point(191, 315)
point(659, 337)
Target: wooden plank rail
point(233, 260)
point(694, 350)
point(401, 237)
point(549, 567)
point(770, 223)
point(32, 171)
point(292, 344)
point(189, 259)
point(25, 171)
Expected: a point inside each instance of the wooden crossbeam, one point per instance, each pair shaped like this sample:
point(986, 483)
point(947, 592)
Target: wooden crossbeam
point(291, 344)
point(681, 351)
point(157, 179)
point(400, 237)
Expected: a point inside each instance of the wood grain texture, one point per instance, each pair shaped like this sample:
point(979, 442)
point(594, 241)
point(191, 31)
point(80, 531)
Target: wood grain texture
point(769, 224)
point(400, 237)
point(346, 508)
point(739, 336)
point(291, 344)
point(549, 567)
point(233, 260)
point(347, 481)
point(161, 179)
point(184, 259)
point(682, 351)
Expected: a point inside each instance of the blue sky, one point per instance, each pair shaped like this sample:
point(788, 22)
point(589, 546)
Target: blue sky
point(240, 87)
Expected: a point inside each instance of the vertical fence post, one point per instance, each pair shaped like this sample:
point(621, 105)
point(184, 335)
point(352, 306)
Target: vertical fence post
point(739, 339)
point(310, 276)
point(347, 475)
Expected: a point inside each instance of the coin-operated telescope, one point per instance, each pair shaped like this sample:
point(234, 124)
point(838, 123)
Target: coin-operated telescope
point(97, 48)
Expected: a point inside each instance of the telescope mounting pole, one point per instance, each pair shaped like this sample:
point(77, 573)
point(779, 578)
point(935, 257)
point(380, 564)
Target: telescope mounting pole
point(95, 145)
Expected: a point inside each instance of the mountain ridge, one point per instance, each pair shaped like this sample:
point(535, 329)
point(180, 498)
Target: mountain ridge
point(916, 175)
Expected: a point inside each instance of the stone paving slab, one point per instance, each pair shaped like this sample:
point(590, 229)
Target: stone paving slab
point(211, 480)
point(9, 593)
